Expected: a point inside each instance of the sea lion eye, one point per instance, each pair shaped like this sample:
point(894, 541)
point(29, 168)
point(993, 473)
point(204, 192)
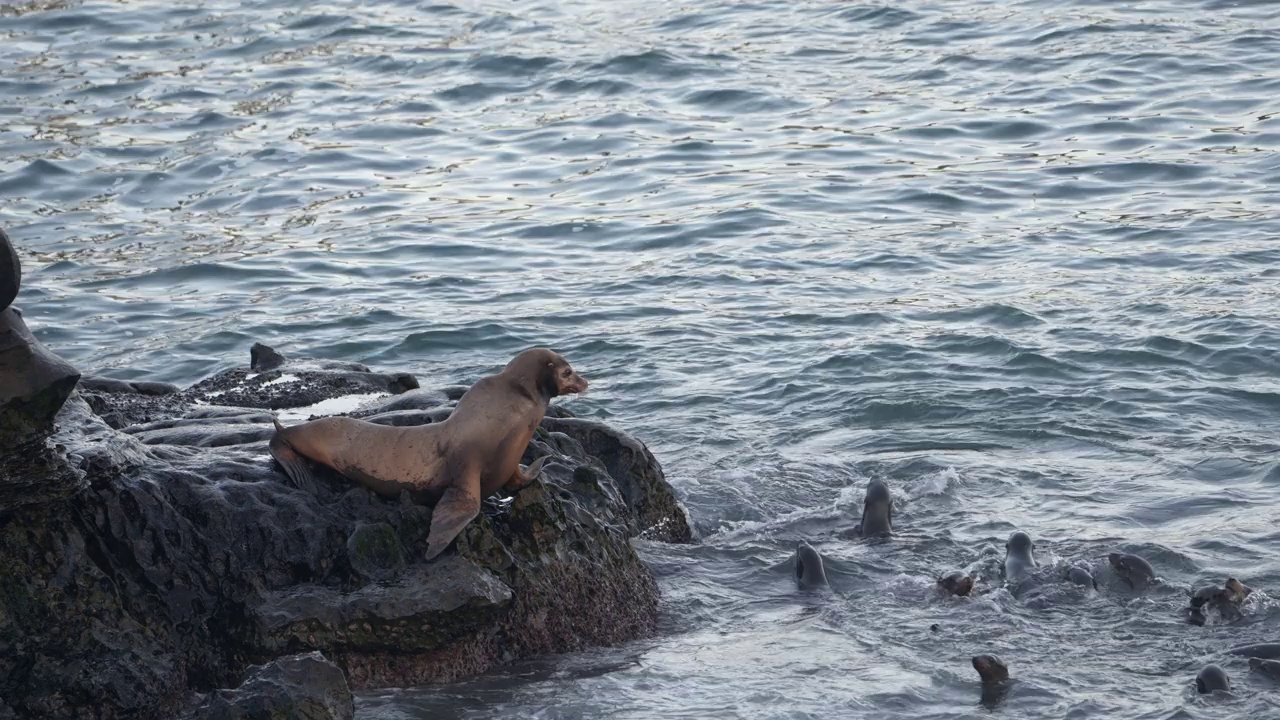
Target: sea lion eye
point(566, 372)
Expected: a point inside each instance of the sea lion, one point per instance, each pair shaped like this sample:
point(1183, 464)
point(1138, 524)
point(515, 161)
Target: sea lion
point(1132, 569)
point(1210, 678)
point(1266, 651)
point(1018, 558)
point(1270, 668)
point(955, 583)
point(1226, 600)
point(877, 511)
point(995, 677)
point(810, 575)
point(452, 464)
point(1082, 577)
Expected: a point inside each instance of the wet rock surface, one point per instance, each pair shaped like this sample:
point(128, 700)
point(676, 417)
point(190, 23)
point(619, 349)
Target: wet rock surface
point(175, 555)
point(301, 687)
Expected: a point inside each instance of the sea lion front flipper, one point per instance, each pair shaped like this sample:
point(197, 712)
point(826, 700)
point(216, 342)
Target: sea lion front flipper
point(456, 508)
point(526, 475)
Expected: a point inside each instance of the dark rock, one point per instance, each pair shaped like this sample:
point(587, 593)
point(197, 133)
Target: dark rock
point(173, 554)
point(656, 513)
point(97, 383)
point(301, 687)
point(374, 550)
point(10, 272)
point(34, 385)
point(263, 358)
point(417, 399)
point(34, 382)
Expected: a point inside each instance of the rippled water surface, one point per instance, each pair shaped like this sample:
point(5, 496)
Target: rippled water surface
point(1018, 259)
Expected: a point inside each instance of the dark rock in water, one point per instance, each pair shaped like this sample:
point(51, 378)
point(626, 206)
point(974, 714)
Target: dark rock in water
point(418, 399)
point(34, 385)
point(10, 272)
point(263, 358)
point(34, 382)
point(296, 384)
point(174, 554)
point(301, 687)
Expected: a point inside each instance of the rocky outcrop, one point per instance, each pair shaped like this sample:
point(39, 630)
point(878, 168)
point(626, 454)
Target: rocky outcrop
point(175, 555)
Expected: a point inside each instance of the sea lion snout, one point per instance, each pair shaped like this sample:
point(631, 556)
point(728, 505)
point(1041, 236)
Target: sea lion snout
point(568, 381)
point(574, 384)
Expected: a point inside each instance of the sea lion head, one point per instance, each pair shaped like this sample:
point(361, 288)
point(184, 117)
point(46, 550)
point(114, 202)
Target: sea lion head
point(810, 574)
point(1019, 546)
point(956, 583)
point(1132, 569)
point(991, 669)
point(547, 371)
point(877, 510)
point(1212, 677)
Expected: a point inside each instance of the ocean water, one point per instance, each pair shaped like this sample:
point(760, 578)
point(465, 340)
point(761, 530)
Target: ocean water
point(1020, 260)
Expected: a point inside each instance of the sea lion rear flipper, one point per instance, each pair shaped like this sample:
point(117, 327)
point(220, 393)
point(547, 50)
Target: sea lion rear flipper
point(294, 464)
point(456, 508)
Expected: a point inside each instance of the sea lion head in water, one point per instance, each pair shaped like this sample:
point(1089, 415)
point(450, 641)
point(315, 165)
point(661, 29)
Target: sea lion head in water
point(453, 464)
point(1018, 558)
point(1134, 570)
point(810, 575)
point(995, 677)
point(1082, 577)
point(877, 510)
point(955, 583)
point(1212, 678)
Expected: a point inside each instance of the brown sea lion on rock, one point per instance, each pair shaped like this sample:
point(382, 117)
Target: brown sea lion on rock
point(452, 464)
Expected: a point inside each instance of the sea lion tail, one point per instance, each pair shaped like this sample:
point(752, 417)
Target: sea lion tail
point(294, 464)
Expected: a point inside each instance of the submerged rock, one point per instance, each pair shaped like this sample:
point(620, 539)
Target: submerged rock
point(301, 687)
point(176, 555)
